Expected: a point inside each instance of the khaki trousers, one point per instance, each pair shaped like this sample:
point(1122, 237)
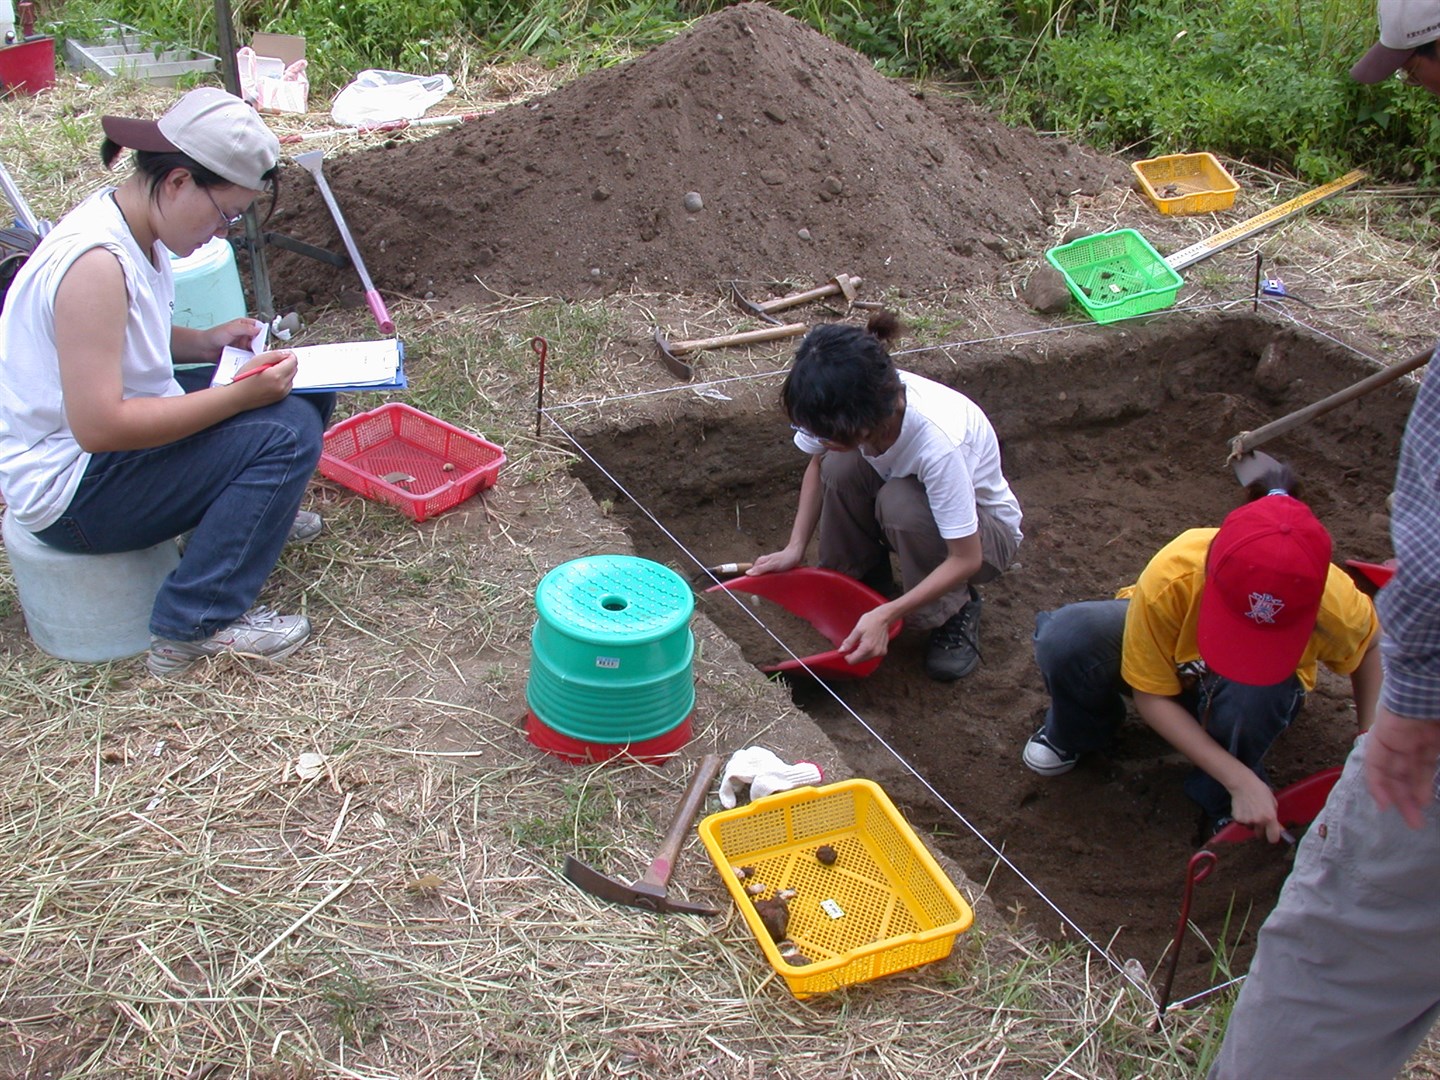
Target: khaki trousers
point(863, 518)
point(1346, 977)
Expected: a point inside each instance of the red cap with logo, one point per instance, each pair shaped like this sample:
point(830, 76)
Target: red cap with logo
point(1264, 578)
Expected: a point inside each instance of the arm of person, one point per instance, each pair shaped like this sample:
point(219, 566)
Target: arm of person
point(807, 517)
point(871, 636)
point(90, 317)
point(1365, 683)
point(1251, 800)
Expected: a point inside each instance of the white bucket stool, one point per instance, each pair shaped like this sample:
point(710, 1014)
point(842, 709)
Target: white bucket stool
point(90, 608)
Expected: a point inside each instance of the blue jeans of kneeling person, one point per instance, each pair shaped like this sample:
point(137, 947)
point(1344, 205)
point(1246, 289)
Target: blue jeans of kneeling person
point(237, 484)
point(1077, 649)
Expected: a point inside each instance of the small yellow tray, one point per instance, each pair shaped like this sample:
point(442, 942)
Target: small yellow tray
point(1186, 183)
point(883, 905)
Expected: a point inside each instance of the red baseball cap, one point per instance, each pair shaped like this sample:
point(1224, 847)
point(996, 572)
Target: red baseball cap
point(1265, 575)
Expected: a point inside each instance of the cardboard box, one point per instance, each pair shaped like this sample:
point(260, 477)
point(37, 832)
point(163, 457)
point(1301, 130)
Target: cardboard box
point(263, 73)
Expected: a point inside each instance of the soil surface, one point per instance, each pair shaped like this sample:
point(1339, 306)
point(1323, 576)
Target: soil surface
point(1113, 447)
point(807, 162)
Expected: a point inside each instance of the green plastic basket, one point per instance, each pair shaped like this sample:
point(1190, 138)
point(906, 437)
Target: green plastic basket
point(1116, 275)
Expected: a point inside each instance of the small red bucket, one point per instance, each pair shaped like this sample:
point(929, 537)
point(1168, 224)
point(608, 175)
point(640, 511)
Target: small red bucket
point(29, 66)
point(654, 751)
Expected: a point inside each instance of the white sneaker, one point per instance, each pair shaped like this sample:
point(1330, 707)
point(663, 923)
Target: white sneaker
point(259, 632)
point(304, 528)
point(1047, 759)
point(307, 526)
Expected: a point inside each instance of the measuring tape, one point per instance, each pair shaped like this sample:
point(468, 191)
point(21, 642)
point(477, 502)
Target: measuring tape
point(1250, 226)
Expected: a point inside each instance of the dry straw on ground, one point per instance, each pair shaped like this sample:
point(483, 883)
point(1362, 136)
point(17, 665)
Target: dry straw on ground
point(185, 893)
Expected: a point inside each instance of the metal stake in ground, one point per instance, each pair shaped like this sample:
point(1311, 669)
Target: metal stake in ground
point(311, 162)
point(540, 346)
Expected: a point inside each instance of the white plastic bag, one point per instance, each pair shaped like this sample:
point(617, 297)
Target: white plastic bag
point(376, 97)
point(269, 85)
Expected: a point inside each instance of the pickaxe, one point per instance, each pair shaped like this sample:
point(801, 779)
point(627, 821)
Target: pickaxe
point(840, 283)
point(671, 351)
point(648, 891)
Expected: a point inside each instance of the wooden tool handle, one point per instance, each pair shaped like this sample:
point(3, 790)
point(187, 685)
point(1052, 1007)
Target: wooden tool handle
point(747, 337)
point(1248, 440)
point(658, 872)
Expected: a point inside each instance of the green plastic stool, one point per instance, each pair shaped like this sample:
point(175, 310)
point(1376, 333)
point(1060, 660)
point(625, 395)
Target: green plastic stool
point(612, 658)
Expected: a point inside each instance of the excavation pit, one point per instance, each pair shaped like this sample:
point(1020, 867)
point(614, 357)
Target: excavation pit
point(1115, 442)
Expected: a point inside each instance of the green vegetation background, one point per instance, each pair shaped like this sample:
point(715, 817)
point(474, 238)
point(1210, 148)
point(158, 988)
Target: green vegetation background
point(1264, 81)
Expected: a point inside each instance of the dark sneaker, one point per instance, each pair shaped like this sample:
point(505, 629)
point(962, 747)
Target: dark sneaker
point(1046, 758)
point(259, 632)
point(954, 650)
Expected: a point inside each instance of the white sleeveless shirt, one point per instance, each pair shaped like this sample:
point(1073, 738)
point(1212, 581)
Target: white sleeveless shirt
point(41, 464)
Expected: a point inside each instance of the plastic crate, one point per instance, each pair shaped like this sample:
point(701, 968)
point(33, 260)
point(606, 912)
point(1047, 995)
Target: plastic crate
point(1186, 183)
point(884, 904)
point(432, 465)
point(1116, 275)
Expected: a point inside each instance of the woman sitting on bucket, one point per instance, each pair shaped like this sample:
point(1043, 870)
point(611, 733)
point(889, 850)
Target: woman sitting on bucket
point(101, 448)
point(900, 464)
point(1217, 643)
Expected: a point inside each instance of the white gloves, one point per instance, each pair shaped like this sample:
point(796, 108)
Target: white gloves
point(764, 773)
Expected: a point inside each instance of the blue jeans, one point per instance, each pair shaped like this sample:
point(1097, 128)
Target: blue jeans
point(237, 484)
point(1078, 651)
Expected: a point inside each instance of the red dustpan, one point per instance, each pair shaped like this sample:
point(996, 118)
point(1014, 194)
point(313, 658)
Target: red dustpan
point(829, 601)
point(1296, 805)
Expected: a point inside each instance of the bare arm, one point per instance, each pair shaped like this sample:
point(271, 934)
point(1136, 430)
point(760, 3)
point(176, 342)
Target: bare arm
point(1365, 686)
point(807, 517)
point(1251, 800)
point(90, 315)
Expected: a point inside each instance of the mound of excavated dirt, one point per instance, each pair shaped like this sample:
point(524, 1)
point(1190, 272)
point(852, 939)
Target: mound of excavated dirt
point(806, 160)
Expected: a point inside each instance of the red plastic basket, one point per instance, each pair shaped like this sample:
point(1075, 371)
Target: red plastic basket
point(431, 465)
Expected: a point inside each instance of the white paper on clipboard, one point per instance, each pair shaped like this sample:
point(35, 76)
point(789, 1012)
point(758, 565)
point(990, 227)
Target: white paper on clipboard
point(338, 365)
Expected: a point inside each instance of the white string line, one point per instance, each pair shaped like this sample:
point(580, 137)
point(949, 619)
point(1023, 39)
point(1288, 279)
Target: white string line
point(1232, 981)
point(953, 810)
point(1144, 988)
point(699, 387)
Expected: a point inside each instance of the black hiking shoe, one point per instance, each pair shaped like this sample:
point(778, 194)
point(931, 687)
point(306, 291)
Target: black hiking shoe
point(954, 650)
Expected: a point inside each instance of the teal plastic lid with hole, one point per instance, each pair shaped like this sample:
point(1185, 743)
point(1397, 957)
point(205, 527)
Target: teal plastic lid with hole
point(612, 650)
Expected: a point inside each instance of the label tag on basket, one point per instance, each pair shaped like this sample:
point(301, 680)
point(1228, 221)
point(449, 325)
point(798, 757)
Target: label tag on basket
point(832, 908)
point(610, 663)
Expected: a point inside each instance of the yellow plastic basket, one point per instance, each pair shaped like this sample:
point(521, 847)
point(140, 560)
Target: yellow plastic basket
point(883, 905)
point(1186, 183)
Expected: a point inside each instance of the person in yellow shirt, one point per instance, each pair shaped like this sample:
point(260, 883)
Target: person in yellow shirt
point(1217, 643)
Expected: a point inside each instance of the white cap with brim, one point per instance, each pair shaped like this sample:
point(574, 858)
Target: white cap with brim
point(213, 128)
point(1405, 25)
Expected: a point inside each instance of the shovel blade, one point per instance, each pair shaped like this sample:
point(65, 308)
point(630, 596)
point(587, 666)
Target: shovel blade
point(1254, 465)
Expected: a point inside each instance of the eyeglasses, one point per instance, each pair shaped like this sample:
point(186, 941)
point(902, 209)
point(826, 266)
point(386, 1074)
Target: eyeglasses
point(836, 443)
point(230, 222)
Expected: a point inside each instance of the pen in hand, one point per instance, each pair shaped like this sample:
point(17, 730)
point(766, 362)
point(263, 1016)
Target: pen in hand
point(254, 371)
